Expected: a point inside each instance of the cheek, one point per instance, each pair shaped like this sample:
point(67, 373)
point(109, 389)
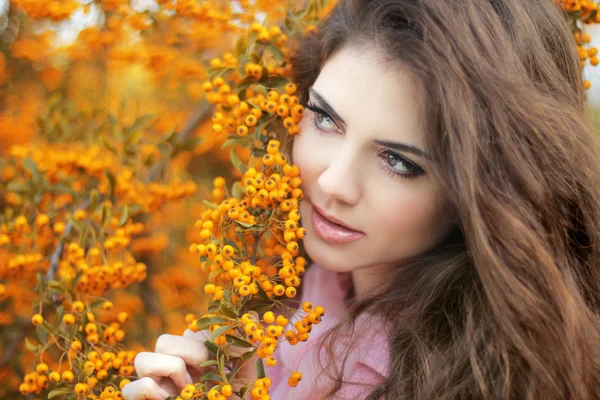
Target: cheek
point(410, 222)
point(306, 155)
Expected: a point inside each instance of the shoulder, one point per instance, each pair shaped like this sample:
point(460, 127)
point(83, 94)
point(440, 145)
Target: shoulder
point(372, 345)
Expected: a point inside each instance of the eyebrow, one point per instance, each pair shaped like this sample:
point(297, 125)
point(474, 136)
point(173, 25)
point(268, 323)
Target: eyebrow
point(394, 145)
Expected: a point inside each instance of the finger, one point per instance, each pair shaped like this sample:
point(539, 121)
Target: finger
point(155, 365)
point(200, 335)
point(193, 352)
point(169, 386)
point(144, 388)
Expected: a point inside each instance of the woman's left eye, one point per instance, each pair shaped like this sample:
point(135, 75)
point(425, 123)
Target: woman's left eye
point(399, 165)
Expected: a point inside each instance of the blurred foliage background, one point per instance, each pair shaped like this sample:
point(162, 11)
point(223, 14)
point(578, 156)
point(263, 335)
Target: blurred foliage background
point(107, 152)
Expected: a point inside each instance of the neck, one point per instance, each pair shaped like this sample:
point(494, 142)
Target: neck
point(370, 280)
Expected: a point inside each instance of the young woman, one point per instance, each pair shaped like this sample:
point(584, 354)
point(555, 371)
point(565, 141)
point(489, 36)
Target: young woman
point(452, 209)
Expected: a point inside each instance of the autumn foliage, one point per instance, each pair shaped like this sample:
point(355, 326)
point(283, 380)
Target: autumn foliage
point(145, 188)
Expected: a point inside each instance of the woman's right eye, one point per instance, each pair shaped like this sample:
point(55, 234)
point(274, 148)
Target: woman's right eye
point(320, 119)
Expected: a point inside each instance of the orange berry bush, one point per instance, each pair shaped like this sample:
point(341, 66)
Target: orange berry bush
point(110, 145)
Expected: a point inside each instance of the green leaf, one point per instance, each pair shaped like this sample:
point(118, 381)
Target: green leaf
point(31, 167)
point(222, 367)
point(41, 284)
point(253, 56)
point(245, 224)
point(236, 161)
point(210, 205)
point(93, 200)
point(41, 333)
point(60, 311)
point(237, 190)
point(245, 84)
point(105, 215)
point(265, 74)
point(113, 182)
point(83, 234)
point(56, 285)
point(259, 128)
point(75, 281)
point(275, 82)
point(242, 45)
point(260, 369)
point(191, 144)
point(227, 311)
point(125, 216)
point(72, 332)
point(211, 376)
point(262, 308)
point(234, 140)
point(262, 294)
point(58, 392)
point(140, 123)
point(277, 51)
point(304, 12)
point(164, 149)
point(211, 346)
point(219, 331)
point(60, 187)
point(260, 89)
point(258, 152)
point(236, 341)
point(78, 225)
point(208, 363)
point(218, 71)
point(18, 187)
point(243, 391)
point(204, 323)
point(289, 25)
point(31, 346)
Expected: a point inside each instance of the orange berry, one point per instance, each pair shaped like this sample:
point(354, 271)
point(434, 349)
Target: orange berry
point(227, 390)
point(76, 345)
point(290, 88)
point(122, 317)
point(37, 319)
point(41, 369)
point(290, 292)
point(269, 317)
point(279, 290)
point(67, 376)
point(78, 306)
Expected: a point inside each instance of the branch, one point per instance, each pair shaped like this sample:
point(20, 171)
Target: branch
point(55, 257)
point(201, 111)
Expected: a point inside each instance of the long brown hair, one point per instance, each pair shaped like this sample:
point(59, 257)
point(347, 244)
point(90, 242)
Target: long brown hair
point(507, 305)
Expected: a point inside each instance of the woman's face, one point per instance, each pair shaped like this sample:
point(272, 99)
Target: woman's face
point(362, 163)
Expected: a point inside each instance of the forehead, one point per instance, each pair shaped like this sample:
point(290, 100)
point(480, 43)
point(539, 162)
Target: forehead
point(376, 100)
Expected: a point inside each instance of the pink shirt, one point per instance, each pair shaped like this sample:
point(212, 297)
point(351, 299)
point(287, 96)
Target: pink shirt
point(368, 360)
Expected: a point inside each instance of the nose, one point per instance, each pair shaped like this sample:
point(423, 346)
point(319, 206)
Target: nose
point(339, 181)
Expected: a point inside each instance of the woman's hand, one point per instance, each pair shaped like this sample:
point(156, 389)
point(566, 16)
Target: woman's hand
point(175, 363)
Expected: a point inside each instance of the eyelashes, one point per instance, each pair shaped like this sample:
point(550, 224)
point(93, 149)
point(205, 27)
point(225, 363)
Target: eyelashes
point(389, 158)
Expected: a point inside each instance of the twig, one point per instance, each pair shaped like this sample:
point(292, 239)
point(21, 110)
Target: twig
point(201, 111)
point(55, 257)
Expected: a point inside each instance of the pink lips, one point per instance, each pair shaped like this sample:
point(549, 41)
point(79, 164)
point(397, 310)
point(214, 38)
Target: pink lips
point(331, 231)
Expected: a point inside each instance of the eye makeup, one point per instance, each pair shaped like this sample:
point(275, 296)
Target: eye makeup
point(389, 158)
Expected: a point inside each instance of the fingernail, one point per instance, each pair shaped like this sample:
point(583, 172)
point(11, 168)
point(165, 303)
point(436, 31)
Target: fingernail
point(163, 393)
point(189, 379)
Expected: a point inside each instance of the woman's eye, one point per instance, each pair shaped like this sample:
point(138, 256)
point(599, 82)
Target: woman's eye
point(328, 122)
point(399, 164)
point(321, 120)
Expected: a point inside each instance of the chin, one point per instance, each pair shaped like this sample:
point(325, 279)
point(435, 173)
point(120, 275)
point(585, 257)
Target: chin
point(322, 253)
